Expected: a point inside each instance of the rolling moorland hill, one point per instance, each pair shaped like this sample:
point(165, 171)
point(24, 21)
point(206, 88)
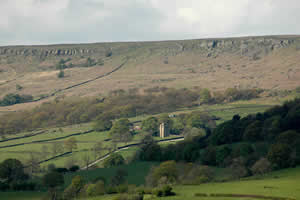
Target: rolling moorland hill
point(268, 62)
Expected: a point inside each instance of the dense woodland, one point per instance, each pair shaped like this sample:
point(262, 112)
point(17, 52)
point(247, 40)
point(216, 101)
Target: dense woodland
point(252, 144)
point(118, 104)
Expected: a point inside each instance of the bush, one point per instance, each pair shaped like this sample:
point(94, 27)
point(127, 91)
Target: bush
point(111, 190)
point(243, 150)
point(193, 174)
point(76, 187)
point(239, 167)
point(23, 186)
point(61, 64)
point(19, 87)
point(143, 190)
point(114, 160)
point(108, 53)
point(12, 170)
point(3, 186)
point(150, 151)
point(61, 74)
point(95, 189)
point(51, 167)
point(253, 132)
point(69, 193)
point(150, 125)
point(99, 178)
point(119, 178)
point(61, 170)
point(90, 62)
point(227, 132)
point(166, 170)
point(91, 190)
point(280, 155)
point(129, 197)
point(102, 124)
point(208, 156)
point(74, 168)
point(261, 166)
point(221, 154)
point(289, 137)
point(164, 191)
point(11, 99)
point(122, 188)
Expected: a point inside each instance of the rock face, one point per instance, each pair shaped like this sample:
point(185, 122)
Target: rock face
point(36, 51)
point(254, 47)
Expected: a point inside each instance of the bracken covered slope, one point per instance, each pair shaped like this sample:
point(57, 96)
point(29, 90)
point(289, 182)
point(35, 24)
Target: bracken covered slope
point(270, 62)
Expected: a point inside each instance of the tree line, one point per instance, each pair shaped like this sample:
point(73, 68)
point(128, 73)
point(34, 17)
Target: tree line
point(253, 144)
point(118, 104)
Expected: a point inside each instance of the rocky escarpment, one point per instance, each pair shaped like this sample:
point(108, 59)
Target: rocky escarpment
point(36, 51)
point(253, 47)
point(245, 46)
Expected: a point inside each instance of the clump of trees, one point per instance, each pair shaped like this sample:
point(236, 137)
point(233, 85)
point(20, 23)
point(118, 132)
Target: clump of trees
point(171, 172)
point(13, 177)
point(65, 63)
point(80, 188)
point(62, 64)
point(120, 131)
point(11, 99)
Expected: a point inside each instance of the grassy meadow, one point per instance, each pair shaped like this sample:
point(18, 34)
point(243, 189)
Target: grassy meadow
point(22, 195)
point(283, 183)
point(137, 172)
point(87, 141)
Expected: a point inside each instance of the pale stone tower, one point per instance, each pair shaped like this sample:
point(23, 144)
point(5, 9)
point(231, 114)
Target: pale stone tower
point(163, 130)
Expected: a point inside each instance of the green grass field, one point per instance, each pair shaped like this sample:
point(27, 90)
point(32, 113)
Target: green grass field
point(136, 173)
point(284, 183)
point(86, 142)
point(21, 195)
